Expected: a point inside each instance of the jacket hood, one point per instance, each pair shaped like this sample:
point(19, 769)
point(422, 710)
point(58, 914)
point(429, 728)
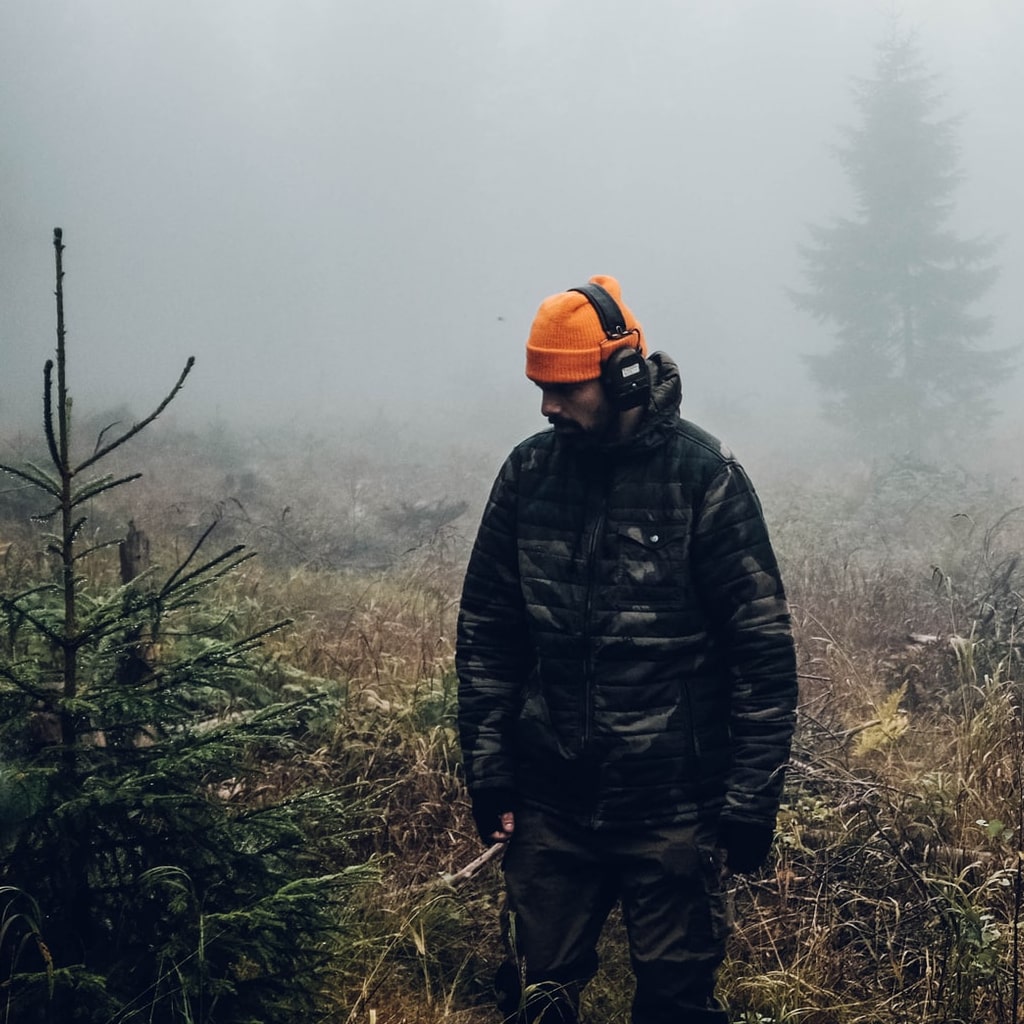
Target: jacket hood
point(666, 391)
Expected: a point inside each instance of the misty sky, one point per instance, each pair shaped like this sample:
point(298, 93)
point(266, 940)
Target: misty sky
point(355, 208)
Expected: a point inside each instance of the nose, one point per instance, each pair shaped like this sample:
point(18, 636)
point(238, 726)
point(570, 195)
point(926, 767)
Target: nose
point(549, 403)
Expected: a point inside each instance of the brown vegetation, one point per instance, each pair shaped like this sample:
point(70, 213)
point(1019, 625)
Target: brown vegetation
point(894, 890)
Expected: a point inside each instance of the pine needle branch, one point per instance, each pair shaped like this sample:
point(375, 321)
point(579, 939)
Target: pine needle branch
point(12, 677)
point(178, 581)
point(106, 483)
point(37, 478)
point(54, 636)
point(188, 559)
point(96, 547)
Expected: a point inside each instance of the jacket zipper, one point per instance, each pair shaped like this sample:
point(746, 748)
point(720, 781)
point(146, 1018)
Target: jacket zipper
point(597, 528)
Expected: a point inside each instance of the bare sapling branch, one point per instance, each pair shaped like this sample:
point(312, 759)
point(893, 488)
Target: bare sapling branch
point(102, 434)
point(51, 439)
point(59, 446)
point(142, 424)
point(62, 387)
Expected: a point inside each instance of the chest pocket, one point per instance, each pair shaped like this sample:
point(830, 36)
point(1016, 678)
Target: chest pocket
point(652, 554)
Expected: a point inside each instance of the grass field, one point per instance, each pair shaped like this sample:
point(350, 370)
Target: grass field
point(894, 889)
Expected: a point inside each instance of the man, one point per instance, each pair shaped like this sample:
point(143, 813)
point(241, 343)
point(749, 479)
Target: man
point(627, 675)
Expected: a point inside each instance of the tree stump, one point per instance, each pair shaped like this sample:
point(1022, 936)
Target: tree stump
point(134, 551)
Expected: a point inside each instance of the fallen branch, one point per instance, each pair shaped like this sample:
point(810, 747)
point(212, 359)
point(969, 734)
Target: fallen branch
point(467, 872)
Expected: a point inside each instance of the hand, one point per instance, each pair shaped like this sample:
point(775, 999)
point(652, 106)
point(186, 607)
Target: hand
point(507, 822)
point(493, 814)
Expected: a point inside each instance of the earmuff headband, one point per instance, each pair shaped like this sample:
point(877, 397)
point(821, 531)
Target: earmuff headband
point(613, 323)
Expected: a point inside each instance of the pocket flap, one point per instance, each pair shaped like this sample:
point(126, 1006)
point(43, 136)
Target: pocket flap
point(653, 535)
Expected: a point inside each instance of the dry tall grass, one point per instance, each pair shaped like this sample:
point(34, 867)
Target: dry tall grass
point(894, 890)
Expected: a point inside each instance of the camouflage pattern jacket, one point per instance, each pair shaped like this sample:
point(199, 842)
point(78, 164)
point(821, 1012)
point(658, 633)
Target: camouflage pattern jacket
point(624, 650)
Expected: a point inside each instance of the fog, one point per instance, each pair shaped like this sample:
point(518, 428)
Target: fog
point(352, 210)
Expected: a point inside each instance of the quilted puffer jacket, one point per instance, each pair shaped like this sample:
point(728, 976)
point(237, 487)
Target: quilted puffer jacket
point(624, 650)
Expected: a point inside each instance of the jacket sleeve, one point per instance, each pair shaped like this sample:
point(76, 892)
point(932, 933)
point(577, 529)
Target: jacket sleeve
point(493, 654)
point(742, 592)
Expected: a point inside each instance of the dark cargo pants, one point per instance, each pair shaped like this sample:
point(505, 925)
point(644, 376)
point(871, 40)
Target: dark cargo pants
point(562, 882)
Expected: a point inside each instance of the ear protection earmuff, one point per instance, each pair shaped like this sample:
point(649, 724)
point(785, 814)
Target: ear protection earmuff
point(624, 374)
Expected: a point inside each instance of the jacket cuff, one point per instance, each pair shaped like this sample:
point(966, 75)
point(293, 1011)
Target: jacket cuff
point(746, 843)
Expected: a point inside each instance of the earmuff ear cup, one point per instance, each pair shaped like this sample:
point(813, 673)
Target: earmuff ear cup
point(626, 379)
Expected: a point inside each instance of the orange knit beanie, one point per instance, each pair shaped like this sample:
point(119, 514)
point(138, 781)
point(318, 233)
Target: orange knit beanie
point(567, 343)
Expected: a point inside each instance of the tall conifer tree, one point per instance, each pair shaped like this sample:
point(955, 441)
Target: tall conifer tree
point(907, 373)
